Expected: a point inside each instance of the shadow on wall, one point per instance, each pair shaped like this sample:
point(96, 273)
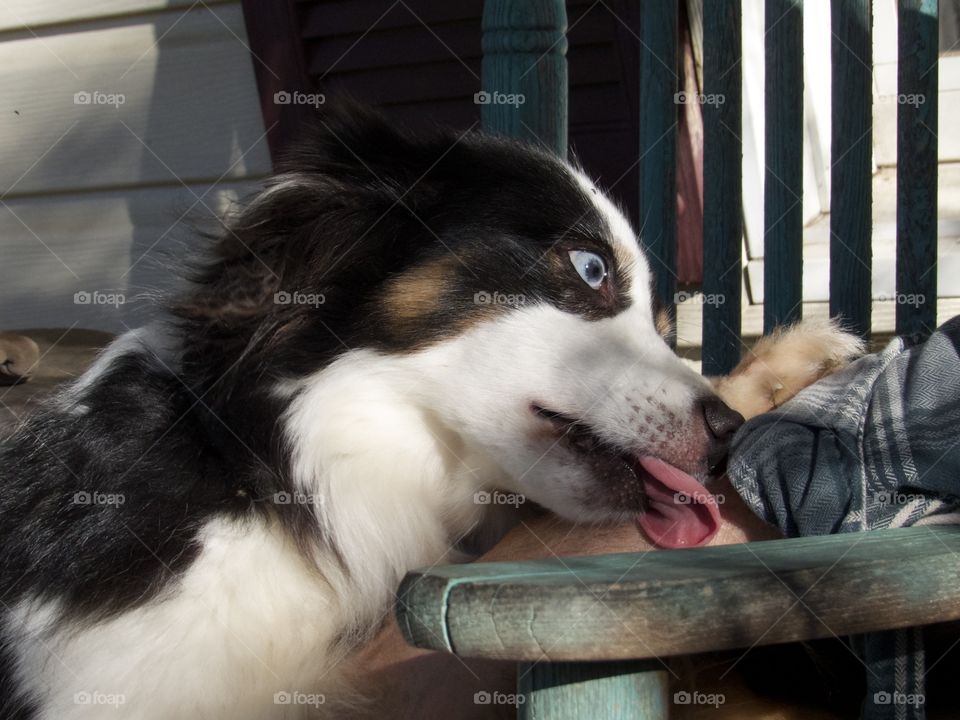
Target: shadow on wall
point(153, 123)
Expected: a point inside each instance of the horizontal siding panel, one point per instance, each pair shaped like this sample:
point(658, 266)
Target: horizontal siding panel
point(23, 14)
point(436, 81)
point(190, 107)
point(414, 44)
point(342, 17)
point(97, 237)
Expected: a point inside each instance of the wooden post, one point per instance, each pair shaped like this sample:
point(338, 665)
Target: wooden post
point(783, 179)
point(917, 167)
point(625, 690)
point(851, 150)
point(658, 145)
point(524, 71)
point(722, 184)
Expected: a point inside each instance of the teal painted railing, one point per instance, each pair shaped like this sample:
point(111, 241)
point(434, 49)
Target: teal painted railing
point(524, 52)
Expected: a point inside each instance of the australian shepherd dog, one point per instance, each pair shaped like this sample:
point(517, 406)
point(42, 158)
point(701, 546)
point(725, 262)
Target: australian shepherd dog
point(218, 511)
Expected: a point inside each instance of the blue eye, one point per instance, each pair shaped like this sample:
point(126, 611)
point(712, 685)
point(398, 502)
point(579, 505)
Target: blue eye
point(590, 266)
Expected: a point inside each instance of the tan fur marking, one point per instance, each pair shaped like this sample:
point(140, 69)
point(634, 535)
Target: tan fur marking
point(418, 292)
point(664, 324)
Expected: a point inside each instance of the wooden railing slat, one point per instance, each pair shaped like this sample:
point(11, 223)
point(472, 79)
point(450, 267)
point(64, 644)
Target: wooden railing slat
point(722, 185)
point(851, 176)
point(631, 606)
point(658, 145)
point(917, 90)
point(524, 52)
point(783, 178)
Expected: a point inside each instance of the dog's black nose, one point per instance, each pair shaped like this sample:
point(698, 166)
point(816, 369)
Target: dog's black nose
point(722, 422)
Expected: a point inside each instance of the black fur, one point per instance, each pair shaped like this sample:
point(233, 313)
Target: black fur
point(196, 435)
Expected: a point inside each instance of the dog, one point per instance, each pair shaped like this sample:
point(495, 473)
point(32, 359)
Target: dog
point(398, 331)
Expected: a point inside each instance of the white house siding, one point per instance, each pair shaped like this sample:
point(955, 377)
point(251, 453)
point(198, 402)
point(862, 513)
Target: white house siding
point(96, 198)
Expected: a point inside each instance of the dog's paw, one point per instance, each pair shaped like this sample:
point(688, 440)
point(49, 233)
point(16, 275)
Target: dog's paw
point(19, 356)
point(783, 363)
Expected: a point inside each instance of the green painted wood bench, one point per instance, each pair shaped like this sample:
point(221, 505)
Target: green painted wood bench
point(590, 634)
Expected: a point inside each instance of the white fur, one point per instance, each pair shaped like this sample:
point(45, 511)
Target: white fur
point(249, 619)
point(150, 341)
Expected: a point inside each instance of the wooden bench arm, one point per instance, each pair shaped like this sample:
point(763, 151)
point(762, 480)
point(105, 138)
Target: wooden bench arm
point(677, 602)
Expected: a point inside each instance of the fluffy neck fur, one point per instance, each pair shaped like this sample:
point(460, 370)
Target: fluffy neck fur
point(391, 486)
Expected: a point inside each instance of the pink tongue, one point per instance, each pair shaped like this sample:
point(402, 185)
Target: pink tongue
point(680, 511)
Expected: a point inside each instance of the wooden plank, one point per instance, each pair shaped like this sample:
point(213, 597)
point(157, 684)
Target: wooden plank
point(565, 691)
point(685, 601)
point(189, 106)
point(917, 164)
point(54, 247)
point(36, 14)
point(659, 84)
point(722, 185)
point(851, 184)
point(524, 54)
point(783, 178)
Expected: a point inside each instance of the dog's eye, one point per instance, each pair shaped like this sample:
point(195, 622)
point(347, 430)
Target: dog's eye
point(590, 266)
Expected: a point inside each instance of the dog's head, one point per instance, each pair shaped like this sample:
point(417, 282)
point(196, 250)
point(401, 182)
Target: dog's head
point(511, 289)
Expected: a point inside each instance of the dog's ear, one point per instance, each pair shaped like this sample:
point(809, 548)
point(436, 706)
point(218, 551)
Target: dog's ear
point(342, 214)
